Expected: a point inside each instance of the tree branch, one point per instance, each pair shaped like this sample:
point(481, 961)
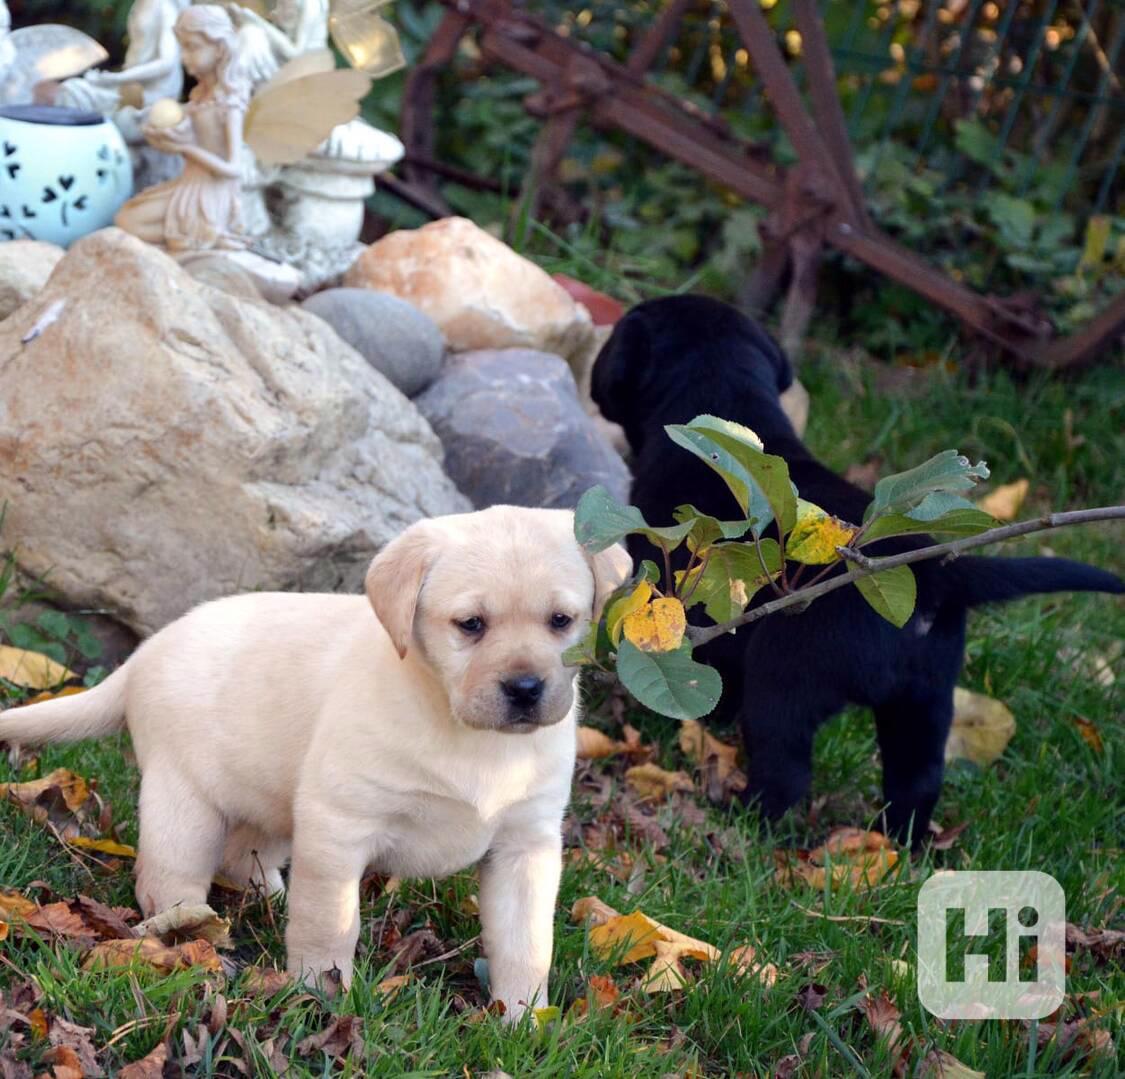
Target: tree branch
point(866, 566)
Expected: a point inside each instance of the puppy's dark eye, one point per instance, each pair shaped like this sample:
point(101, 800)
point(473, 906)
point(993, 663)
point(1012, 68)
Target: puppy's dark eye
point(560, 621)
point(472, 627)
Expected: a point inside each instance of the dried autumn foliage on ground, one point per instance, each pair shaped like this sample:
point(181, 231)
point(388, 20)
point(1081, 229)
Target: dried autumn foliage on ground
point(849, 855)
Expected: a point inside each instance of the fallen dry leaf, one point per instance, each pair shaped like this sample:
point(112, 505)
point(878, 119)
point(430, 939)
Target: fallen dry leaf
point(180, 923)
point(1078, 1040)
point(265, 982)
point(64, 1062)
point(653, 783)
point(343, 1036)
point(636, 936)
point(1004, 502)
point(71, 788)
point(716, 760)
point(102, 846)
point(594, 744)
point(148, 951)
point(1104, 944)
point(15, 906)
point(945, 838)
point(982, 728)
point(885, 1020)
point(856, 856)
point(32, 670)
point(149, 1067)
point(812, 996)
point(388, 987)
point(1090, 733)
point(744, 960)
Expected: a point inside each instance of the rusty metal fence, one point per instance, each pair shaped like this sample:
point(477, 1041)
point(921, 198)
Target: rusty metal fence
point(1016, 106)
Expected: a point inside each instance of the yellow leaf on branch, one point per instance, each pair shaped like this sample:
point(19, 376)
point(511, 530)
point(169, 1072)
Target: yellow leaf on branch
point(816, 535)
point(658, 626)
point(620, 609)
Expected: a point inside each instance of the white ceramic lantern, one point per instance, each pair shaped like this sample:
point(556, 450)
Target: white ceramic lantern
point(63, 173)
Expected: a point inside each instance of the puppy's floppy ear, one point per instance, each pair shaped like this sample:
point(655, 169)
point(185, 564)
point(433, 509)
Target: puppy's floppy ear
point(611, 569)
point(622, 360)
point(394, 581)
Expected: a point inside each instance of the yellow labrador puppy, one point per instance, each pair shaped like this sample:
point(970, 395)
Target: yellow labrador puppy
point(272, 726)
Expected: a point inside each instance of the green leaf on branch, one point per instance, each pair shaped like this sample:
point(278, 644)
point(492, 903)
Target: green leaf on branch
point(892, 593)
point(732, 577)
point(706, 530)
point(947, 473)
point(600, 521)
point(759, 481)
point(963, 522)
point(671, 683)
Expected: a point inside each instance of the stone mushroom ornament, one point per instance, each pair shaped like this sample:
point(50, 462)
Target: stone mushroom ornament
point(289, 116)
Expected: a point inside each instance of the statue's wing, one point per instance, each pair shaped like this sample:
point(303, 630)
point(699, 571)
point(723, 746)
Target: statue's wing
point(298, 108)
point(255, 54)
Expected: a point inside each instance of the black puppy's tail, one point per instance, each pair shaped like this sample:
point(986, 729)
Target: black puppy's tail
point(993, 580)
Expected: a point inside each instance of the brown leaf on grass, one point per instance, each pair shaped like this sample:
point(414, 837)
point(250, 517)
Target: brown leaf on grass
point(148, 1067)
point(1077, 1040)
point(945, 838)
point(265, 982)
point(885, 1020)
point(745, 961)
point(716, 760)
point(148, 951)
point(593, 910)
point(812, 996)
point(32, 670)
point(423, 943)
point(1104, 944)
point(61, 920)
point(77, 1040)
point(111, 922)
point(14, 906)
point(185, 923)
point(342, 1037)
point(594, 744)
point(857, 857)
point(982, 728)
point(59, 798)
point(10, 1068)
point(653, 783)
point(1090, 733)
point(63, 1062)
point(1004, 502)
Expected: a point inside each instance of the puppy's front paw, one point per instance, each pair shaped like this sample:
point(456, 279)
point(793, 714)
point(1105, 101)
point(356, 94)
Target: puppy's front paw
point(328, 975)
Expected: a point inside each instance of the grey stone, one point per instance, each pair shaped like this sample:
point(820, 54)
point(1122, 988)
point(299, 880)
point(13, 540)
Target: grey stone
point(393, 336)
point(515, 431)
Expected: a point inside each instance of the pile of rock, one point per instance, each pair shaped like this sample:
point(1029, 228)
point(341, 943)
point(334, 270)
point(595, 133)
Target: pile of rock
point(167, 435)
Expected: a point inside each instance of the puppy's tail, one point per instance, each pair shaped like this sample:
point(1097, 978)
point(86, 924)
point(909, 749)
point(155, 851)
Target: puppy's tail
point(98, 711)
point(994, 580)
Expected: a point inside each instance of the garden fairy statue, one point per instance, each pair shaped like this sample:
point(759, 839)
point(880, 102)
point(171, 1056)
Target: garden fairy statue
point(200, 209)
point(287, 118)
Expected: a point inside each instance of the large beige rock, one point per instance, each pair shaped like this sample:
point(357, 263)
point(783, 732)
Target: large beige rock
point(163, 442)
point(25, 266)
point(476, 288)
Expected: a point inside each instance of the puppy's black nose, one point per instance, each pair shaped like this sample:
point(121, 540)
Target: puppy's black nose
point(523, 691)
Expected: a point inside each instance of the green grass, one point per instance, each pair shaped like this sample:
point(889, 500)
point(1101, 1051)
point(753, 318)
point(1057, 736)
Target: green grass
point(1052, 803)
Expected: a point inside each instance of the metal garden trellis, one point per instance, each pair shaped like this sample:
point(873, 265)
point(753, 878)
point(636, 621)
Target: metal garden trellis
point(818, 201)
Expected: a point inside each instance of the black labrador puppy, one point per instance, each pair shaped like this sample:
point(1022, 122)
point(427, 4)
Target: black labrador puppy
point(671, 359)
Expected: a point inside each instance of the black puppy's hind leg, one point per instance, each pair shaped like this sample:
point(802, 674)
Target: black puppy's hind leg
point(912, 732)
